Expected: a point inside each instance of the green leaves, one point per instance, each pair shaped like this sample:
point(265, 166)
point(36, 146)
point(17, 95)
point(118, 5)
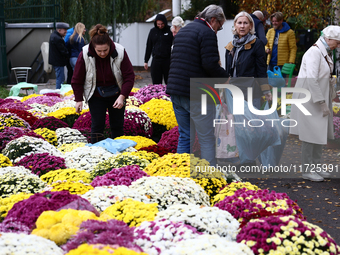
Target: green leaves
point(104, 12)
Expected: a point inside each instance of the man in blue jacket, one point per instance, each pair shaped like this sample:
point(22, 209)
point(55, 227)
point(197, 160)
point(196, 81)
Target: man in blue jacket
point(195, 55)
point(159, 45)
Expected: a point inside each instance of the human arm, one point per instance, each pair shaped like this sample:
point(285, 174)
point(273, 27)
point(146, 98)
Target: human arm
point(119, 103)
point(78, 78)
point(292, 46)
point(311, 62)
point(324, 108)
point(128, 81)
point(261, 69)
point(148, 49)
point(128, 76)
point(261, 34)
point(270, 39)
point(210, 56)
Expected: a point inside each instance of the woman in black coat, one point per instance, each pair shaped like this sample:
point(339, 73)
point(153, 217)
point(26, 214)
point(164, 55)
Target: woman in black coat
point(245, 57)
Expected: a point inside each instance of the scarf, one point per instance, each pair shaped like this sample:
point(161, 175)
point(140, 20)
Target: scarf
point(329, 51)
point(238, 43)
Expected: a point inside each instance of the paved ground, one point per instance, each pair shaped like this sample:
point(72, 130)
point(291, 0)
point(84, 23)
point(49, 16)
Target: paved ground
point(319, 201)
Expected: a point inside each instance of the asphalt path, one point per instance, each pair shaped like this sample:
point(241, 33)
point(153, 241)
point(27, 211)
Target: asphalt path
point(320, 201)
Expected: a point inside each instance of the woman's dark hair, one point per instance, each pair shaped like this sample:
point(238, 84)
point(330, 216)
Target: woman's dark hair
point(99, 35)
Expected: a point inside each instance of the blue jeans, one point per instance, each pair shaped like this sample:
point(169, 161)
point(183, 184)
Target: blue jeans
point(60, 76)
point(73, 62)
point(191, 121)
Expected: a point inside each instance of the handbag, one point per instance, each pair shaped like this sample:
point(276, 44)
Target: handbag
point(275, 78)
point(108, 91)
point(225, 135)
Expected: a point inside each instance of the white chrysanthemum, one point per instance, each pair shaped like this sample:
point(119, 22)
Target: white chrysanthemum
point(155, 237)
point(104, 196)
point(208, 244)
point(24, 146)
point(69, 135)
point(13, 243)
point(86, 158)
point(65, 103)
point(14, 169)
point(167, 191)
point(210, 220)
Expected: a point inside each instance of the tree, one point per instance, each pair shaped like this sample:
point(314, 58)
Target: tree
point(313, 14)
point(230, 8)
point(92, 12)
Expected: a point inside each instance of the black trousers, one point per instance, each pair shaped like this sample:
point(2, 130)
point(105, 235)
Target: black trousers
point(98, 107)
point(69, 72)
point(159, 70)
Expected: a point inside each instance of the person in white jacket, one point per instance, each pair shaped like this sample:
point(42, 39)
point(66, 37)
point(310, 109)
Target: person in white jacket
point(315, 75)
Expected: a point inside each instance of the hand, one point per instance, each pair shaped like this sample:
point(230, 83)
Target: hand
point(79, 106)
point(268, 51)
point(325, 109)
point(146, 66)
point(268, 96)
point(119, 102)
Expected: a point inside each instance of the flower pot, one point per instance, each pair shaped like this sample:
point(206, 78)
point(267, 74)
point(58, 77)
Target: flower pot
point(333, 144)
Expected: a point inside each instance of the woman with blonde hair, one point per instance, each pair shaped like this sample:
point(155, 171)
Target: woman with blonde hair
point(177, 23)
point(103, 77)
point(76, 43)
point(245, 57)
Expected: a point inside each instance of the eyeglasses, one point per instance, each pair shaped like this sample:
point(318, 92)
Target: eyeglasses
point(221, 25)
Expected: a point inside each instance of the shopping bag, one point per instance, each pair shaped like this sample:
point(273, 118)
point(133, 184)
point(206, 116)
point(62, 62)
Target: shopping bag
point(225, 135)
point(275, 78)
point(252, 141)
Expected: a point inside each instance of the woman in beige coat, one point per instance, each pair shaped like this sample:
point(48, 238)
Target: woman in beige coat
point(315, 75)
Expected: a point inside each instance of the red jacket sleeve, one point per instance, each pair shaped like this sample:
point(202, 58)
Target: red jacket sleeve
point(128, 76)
point(78, 78)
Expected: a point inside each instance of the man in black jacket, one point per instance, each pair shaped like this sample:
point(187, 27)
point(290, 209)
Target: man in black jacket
point(195, 55)
point(159, 45)
point(259, 29)
point(58, 54)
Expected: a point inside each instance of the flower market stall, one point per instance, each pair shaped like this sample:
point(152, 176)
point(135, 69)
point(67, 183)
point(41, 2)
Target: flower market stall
point(61, 195)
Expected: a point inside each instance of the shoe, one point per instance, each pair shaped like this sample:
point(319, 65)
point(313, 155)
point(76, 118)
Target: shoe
point(324, 174)
point(314, 177)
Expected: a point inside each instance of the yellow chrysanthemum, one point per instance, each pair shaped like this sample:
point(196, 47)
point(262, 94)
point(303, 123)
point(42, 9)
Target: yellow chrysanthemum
point(230, 189)
point(131, 212)
point(211, 186)
point(30, 96)
point(78, 187)
point(150, 156)
point(66, 174)
point(60, 226)
point(7, 203)
point(49, 135)
point(67, 147)
point(161, 112)
point(100, 249)
point(5, 161)
point(140, 140)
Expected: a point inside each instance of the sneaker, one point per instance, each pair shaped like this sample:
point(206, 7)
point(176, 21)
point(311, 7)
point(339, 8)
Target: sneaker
point(324, 174)
point(314, 177)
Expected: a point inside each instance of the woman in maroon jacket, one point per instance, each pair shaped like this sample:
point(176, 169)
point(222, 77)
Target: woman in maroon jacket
point(103, 77)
